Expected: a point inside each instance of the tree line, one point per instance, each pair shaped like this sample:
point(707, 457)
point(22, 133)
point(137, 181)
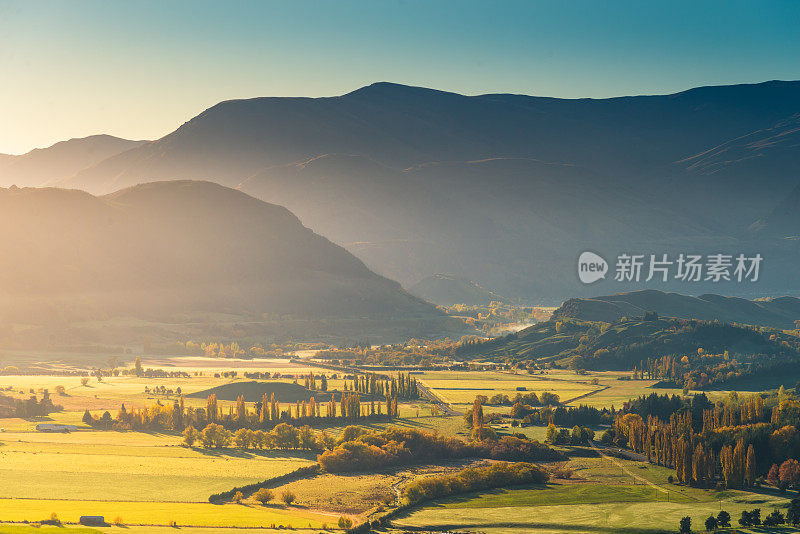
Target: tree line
point(737, 443)
point(30, 407)
point(263, 415)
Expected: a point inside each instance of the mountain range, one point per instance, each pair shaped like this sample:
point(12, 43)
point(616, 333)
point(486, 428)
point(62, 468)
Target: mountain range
point(505, 190)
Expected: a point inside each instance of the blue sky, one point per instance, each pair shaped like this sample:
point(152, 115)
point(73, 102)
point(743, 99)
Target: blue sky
point(139, 69)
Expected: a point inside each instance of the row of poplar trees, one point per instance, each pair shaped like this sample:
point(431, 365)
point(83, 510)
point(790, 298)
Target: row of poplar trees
point(675, 444)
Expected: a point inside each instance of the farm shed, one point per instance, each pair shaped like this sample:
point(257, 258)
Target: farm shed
point(53, 427)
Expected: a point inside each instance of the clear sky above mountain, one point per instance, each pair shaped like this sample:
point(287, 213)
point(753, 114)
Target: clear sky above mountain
point(140, 69)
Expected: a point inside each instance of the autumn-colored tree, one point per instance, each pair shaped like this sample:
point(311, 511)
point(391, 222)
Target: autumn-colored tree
point(288, 497)
point(477, 419)
point(264, 495)
point(789, 472)
point(241, 410)
point(750, 466)
point(190, 436)
point(773, 476)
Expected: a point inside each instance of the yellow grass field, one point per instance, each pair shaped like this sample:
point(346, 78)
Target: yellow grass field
point(107, 470)
point(186, 514)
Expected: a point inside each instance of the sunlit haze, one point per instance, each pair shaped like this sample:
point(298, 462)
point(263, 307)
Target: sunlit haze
point(139, 69)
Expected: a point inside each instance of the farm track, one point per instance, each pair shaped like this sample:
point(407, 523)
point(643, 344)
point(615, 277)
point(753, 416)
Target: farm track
point(580, 397)
point(634, 476)
point(434, 398)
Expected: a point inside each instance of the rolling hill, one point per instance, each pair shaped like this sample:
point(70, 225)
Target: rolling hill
point(627, 343)
point(782, 312)
point(43, 166)
point(174, 251)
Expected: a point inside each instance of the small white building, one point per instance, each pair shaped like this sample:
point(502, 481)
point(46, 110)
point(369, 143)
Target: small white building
point(53, 427)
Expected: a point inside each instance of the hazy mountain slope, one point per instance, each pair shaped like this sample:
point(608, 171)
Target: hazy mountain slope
point(43, 166)
point(163, 250)
point(494, 221)
point(778, 313)
point(784, 220)
point(740, 180)
point(447, 290)
point(403, 126)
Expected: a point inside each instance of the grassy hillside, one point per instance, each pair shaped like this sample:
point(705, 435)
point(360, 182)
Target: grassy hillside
point(626, 343)
point(782, 312)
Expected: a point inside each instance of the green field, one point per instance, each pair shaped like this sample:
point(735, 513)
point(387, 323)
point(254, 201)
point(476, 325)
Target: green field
point(600, 497)
point(625, 517)
point(560, 494)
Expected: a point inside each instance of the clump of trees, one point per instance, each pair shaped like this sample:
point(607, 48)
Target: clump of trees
point(564, 436)
point(563, 416)
point(30, 407)
point(360, 449)
point(482, 477)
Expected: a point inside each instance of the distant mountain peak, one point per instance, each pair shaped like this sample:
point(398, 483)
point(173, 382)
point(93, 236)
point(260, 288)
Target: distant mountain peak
point(391, 89)
point(44, 166)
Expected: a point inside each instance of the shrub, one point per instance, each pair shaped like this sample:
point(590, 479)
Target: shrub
point(563, 473)
point(288, 497)
point(264, 495)
point(345, 522)
point(473, 479)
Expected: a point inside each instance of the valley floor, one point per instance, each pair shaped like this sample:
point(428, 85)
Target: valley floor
point(148, 481)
